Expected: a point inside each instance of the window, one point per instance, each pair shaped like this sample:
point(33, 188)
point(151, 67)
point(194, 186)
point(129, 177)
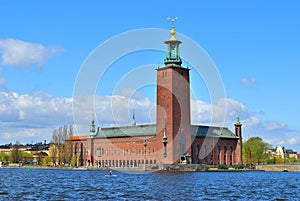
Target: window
point(99, 154)
point(230, 157)
point(225, 152)
point(219, 153)
point(182, 145)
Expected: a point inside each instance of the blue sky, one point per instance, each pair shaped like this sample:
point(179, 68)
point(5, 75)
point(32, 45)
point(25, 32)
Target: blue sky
point(254, 45)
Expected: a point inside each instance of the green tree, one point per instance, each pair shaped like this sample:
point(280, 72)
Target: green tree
point(2, 154)
point(255, 151)
point(27, 157)
point(73, 161)
point(278, 159)
point(47, 160)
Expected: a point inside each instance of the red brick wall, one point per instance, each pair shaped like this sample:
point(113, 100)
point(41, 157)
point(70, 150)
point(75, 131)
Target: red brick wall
point(125, 149)
point(173, 110)
point(210, 149)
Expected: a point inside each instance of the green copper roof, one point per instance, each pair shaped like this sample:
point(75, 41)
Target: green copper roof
point(210, 131)
point(237, 121)
point(150, 130)
point(128, 131)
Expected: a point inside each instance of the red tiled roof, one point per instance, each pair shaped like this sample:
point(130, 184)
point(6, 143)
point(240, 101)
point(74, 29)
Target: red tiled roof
point(77, 138)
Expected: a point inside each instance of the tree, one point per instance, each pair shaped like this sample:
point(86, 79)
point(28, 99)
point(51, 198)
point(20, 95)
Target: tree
point(74, 161)
point(27, 157)
point(2, 155)
point(54, 147)
point(16, 155)
point(47, 160)
point(61, 148)
point(255, 151)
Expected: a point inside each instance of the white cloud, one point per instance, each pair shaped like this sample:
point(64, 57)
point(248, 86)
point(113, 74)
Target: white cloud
point(24, 116)
point(274, 125)
point(294, 140)
point(247, 82)
point(2, 80)
point(27, 117)
point(19, 53)
point(244, 81)
point(223, 112)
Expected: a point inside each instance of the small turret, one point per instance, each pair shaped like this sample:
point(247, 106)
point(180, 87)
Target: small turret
point(92, 129)
point(238, 127)
point(239, 146)
point(237, 121)
point(133, 120)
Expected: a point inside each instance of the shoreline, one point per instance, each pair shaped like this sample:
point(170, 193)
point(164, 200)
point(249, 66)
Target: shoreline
point(138, 170)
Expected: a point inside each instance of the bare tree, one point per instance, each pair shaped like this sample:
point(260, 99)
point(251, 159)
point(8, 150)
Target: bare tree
point(62, 149)
point(16, 155)
point(54, 142)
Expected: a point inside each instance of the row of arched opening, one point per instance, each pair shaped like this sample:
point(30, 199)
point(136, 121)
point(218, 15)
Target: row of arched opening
point(125, 163)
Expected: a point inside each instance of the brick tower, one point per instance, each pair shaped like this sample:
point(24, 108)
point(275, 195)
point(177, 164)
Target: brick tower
point(173, 124)
point(238, 133)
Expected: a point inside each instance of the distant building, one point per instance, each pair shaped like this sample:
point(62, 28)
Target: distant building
point(283, 153)
point(172, 139)
point(38, 150)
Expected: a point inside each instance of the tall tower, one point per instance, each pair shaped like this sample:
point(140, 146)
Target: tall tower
point(173, 126)
point(238, 150)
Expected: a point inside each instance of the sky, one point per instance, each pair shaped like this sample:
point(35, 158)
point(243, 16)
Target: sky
point(45, 48)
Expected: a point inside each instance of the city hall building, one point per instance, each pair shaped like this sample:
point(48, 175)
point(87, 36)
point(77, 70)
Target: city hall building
point(172, 140)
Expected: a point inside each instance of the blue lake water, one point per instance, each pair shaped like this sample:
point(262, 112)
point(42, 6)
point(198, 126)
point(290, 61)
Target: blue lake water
point(44, 184)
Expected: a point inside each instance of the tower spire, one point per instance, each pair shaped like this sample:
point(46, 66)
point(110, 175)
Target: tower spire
point(173, 57)
point(92, 128)
point(133, 119)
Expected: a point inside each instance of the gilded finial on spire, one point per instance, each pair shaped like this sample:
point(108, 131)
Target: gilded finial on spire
point(172, 32)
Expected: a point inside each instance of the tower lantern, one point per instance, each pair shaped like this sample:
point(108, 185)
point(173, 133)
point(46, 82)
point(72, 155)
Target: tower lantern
point(173, 43)
point(92, 129)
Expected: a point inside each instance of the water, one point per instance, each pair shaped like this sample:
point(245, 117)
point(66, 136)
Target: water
point(45, 184)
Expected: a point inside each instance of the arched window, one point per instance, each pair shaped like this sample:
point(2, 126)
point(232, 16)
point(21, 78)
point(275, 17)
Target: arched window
point(219, 154)
point(230, 157)
point(182, 145)
point(197, 151)
point(225, 153)
point(99, 152)
point(76, 148)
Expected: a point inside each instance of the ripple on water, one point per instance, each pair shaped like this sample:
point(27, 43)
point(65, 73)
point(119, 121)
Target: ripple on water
point(41, 184)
